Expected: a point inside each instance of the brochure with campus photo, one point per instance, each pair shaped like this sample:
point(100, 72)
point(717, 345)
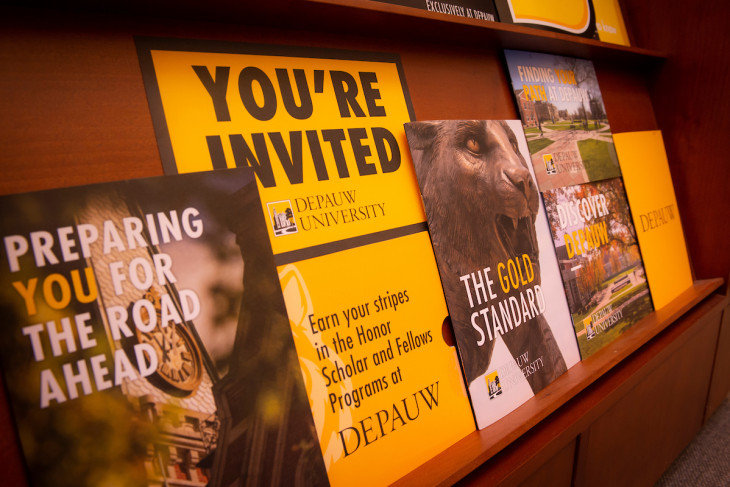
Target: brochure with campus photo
point(496, 260)
point(654, 207)
point(323, 132)
point(600, 261)
point(141, 317)
point(564, 119)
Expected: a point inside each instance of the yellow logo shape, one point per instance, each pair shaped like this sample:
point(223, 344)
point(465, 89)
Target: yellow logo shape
point(550, 167)
point(493, 385)
point(282, 218)
point(569, 15)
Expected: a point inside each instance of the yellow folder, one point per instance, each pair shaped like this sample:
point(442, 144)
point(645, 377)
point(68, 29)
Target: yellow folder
point(654, 209)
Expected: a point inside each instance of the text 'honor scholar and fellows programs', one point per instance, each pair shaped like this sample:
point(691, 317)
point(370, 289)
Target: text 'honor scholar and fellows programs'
point(337, 338)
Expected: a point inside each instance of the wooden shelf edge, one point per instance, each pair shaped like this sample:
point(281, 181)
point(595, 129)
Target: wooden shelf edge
point(366, 18)
point(517, 461)
point(510, 35)
point(472, 451)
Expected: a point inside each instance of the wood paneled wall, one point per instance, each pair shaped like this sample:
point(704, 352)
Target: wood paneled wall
point(693, 112)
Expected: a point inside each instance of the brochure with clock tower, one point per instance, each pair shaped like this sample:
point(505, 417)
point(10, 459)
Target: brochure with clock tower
point(142, 317)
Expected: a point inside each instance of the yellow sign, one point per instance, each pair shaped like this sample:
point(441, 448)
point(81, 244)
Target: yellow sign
point(323, 130)
point(656, 217)
point(610, 22)
point(380, 375)
point(325, 133)
point(568, 15)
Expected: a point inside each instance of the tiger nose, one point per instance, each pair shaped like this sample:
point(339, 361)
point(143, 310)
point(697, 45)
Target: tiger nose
point(520, 179)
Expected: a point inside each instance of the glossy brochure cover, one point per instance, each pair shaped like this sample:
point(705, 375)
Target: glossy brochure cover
point(600, 260)
point(141, 318)
point(496, 260)
point(561, 107)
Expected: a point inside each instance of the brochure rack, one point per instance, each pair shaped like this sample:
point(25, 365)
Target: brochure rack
point(73, 95)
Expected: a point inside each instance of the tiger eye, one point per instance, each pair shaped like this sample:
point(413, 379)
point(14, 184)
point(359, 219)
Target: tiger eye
point(473, 146)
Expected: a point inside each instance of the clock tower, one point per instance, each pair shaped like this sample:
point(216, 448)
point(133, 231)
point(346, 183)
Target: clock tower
point(176, 399)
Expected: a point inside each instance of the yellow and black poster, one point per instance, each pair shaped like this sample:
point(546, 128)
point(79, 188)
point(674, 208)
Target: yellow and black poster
point(569, 16)
point(323, 132)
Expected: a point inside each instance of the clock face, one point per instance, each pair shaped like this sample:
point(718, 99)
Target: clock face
point(180, 366)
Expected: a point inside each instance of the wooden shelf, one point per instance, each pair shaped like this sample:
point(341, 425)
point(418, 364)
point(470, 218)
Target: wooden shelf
point(477, 448)
point(495, 34)
point(78, 111)
point(371, 18)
